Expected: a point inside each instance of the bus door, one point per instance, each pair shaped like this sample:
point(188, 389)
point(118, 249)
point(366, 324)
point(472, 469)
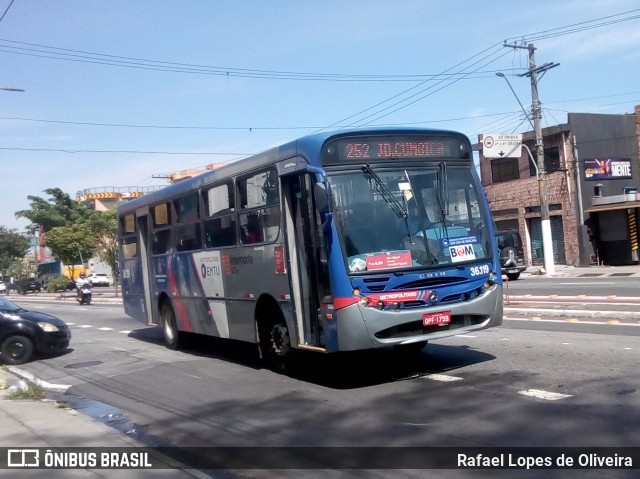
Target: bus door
point(306, 252)
point(143, 241)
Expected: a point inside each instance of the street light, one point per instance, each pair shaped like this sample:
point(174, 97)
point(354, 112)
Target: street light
point(547, 242)
point(502, 75)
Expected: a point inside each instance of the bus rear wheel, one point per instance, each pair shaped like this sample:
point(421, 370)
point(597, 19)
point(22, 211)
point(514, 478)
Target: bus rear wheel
point(276, 346)
point(172, 337)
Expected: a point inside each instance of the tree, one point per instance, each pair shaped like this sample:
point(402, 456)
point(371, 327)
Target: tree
point(59, 210)
point(71, 243)
point(13, 246)
point(104, 228)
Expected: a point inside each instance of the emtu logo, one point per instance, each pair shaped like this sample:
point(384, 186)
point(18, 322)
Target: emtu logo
point(208, 270)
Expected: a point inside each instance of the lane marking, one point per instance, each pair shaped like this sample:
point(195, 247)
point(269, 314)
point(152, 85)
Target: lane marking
point(441, 377)
point(577, 322)
point(547, 395)
point(105, 329)
point(85, 326)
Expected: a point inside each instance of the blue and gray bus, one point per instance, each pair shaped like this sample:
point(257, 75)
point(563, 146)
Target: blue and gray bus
point(339, 241)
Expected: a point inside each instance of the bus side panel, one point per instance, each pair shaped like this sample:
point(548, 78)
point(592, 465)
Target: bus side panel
point(133, 289)
point(177, 277)
point(249, 273)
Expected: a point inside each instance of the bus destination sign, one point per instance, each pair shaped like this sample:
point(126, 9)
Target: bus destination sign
point(395, 149)
point(385, 148)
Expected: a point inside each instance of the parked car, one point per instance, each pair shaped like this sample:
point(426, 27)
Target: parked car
point(26, 334)
point(3, 287)
point(27, 285)
point(511, 253)
point(98, 279)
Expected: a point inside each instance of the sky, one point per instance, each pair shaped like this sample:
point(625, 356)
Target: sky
point(122, 93)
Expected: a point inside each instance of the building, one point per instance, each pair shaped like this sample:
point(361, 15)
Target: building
point(593, 175)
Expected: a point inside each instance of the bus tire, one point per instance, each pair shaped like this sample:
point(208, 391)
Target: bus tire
point(276, 346)
point(172, 337)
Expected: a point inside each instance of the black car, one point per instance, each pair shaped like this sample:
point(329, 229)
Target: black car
point(512, 259)
point(25, 334)
point(25, 286)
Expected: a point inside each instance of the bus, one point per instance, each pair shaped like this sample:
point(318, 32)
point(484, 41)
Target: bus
point(341, 241)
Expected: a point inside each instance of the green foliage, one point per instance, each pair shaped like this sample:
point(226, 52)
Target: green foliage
point(21, 271)
point(57, 283)
point(59, 210)
point(104, 227)
point(30, 391)
point(71, 243)
point(13, 245)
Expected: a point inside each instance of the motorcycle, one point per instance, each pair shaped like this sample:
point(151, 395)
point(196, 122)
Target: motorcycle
point(84, 294)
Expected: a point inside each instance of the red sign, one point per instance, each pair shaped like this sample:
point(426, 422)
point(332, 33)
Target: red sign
point(396, 259)
point(436, 319)
point(281, 266)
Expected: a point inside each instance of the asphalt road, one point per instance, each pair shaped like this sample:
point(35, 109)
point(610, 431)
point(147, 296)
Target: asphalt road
point(528, 383)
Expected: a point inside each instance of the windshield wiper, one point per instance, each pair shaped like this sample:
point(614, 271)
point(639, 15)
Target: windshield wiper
point(386, 194)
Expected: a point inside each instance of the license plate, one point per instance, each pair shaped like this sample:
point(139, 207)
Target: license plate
point(436, 319)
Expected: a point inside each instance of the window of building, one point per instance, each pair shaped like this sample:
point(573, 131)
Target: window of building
point(551, 161)
point(504, 169)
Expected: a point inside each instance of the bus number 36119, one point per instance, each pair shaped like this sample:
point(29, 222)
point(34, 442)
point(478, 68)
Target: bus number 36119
point(477, 270)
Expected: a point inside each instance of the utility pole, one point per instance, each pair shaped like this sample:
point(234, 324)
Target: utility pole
point(536, 113)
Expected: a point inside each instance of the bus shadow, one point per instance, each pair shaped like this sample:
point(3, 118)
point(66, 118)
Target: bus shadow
point(239, 352)
point(347, 370)
point(369, 368)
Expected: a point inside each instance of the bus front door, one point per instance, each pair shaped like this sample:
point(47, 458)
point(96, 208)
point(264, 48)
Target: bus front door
point(306, 251)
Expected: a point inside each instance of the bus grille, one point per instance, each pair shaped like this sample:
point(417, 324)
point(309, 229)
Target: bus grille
point(415, 328)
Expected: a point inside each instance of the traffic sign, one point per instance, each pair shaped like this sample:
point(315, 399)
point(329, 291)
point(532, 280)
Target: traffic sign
point(502, 145)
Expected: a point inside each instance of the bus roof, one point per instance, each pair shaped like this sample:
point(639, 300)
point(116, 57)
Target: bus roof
point(307, 147)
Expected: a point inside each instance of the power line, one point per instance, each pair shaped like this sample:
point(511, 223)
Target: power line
point(135, 152)
point(576, 27)
point(55, 53)
point(6, 10)
point(401, 104)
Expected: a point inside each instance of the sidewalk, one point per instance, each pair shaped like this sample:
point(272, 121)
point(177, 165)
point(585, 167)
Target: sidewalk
point(97, 297)
point(47, 424)
point(562, 270)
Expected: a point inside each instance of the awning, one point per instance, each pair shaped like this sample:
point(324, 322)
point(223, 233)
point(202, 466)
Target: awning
point(613, 207)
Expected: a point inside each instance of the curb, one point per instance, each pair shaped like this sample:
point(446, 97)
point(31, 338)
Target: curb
point(22, 374)
point(572, 313)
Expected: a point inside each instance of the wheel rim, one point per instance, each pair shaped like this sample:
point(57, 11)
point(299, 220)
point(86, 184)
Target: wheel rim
point(280, 341)
point(17, 350)
point(168, 328)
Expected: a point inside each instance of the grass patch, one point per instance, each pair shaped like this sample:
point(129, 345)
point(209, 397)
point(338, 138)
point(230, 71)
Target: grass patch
point(31, 391)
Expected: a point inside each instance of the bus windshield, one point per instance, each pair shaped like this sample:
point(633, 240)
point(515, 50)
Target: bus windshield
point(391, 218)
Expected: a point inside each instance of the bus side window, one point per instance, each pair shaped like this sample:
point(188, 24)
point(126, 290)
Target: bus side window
point(161, 241)
point(252, 230)
point(220, 232)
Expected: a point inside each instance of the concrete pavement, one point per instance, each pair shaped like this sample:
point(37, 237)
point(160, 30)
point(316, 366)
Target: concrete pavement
point(48, 424)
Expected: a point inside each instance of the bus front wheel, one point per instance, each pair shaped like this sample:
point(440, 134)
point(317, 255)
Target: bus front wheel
point(171, 334)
